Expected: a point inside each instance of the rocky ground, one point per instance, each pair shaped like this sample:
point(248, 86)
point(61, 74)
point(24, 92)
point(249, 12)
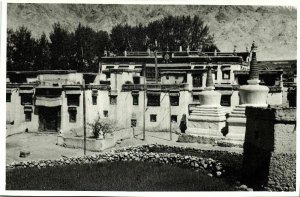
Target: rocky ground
point(43, 146)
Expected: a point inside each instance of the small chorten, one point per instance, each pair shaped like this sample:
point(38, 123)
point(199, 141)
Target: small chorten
point(234, 50)
point(215, 52)
point(188, 49)
point(208, 118)
point(252, 94)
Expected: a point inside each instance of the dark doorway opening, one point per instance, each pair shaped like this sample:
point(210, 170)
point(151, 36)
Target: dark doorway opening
point(49, 119)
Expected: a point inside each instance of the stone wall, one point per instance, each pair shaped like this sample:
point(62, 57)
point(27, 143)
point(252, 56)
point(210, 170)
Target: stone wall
point(270, 148)
point(145, 153)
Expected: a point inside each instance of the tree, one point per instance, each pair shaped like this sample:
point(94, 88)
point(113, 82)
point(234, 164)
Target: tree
point(20, 48)
point(42, 51)
point(170, 32)
point(10, 50)
point(60, 48)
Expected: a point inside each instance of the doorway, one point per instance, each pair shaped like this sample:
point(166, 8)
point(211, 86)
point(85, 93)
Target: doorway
point(49, 119)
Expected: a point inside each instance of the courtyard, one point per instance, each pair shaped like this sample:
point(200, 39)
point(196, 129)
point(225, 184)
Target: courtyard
point(43, 145)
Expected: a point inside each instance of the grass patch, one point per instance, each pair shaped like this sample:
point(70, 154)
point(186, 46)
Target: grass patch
point(117, 176)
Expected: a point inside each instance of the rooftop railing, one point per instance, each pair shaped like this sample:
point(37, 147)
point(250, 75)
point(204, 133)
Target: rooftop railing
point(161, 87)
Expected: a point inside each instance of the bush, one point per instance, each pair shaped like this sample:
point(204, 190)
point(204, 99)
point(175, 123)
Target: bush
point(101, 127)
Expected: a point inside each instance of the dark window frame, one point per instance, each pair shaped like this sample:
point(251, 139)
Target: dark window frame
point(174, 117)
point(135, 99)
point(72, 116)
point(28, 116)
point(153, 101)
point(153, 117)
point(226, 100)
point(8, 97)
point(94, 100)
point(174, 100)
point(225, 72)
point(113, 100)
point(73, 100)
point(197, 80)
point(105, 113)
point(196, 98)
point(26, 99)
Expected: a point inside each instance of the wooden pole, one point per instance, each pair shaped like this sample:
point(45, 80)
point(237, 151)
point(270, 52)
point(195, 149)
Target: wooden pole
point(84, 111)
point(84, 120)
point(170, 113)
point(144, 104)
point(155, 57)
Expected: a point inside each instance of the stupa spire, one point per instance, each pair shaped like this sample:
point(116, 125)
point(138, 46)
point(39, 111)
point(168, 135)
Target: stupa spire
point(209, 79)
point(254, 75)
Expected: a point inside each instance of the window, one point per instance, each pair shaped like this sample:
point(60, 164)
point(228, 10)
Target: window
point(113, 100)
point(216, 76)
point(176, 77)
point(197, 80)
point(105, 113)
point(174, 100)
point(226, 100)
point(26, 99)
point(94, 100)
point(72, 115)
point(133, 122)
point(73, 99)
point(27, 116)
point(8, 97)
point(150, 73)
point(226, 74)
point(153, 100)
point(196, 98)
point(167, 77)
point(107, 75)
point(136, 80)
point(135, 99)
point(152, 117)
point(173, 118)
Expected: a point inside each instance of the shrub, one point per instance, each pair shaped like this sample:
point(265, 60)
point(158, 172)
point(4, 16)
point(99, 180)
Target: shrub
point(101, 127)
point(128, 82)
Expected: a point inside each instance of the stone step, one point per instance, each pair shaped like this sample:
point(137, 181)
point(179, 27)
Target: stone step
point(238, 115)
point(237, 112)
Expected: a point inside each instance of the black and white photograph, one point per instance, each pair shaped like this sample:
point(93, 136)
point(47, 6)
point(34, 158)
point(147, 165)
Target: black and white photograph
point(164, 97)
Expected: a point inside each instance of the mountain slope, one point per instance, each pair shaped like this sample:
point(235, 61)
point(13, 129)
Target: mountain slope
point(273, 28)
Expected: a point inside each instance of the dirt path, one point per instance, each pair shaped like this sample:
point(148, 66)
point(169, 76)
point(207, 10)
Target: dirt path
point(43, 146)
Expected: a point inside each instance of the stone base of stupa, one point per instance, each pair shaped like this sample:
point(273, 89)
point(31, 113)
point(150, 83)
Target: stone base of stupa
point(251, 95)
point(237, 124)
point(207, 120)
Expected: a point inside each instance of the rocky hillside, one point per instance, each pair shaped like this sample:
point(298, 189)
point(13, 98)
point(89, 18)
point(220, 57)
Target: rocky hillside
point(273, 28)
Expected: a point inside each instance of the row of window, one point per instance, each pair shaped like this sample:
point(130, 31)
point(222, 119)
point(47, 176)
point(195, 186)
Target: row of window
point(153, 118)
point(73, 100)
point(152, 100)
point(73, 114)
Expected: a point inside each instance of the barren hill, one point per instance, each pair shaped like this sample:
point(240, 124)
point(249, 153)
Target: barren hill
point(273, 28)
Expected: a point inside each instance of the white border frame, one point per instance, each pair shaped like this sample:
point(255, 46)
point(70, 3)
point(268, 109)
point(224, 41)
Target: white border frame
point(3, 28)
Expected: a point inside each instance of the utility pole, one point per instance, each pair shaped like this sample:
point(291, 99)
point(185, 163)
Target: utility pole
point(84, 110)
point(84, 120)
point(155, 55)
point(144, 104)
point(170, 116)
